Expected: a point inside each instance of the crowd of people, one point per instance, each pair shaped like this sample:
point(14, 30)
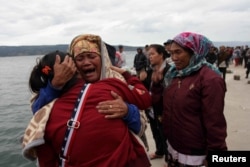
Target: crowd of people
point(87, 109)
point(223, 56)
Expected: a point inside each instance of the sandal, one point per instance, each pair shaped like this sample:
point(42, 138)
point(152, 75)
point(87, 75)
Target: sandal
point(155, 156)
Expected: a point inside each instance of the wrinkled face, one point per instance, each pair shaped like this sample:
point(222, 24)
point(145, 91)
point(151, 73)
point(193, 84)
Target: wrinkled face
point(154, 57)
point(89, 66)
point(179, 56)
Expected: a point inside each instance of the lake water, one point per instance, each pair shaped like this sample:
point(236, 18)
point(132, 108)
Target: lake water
point(15, 111)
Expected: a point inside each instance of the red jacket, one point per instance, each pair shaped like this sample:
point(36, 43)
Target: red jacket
point(193, 117)
point(98, 142)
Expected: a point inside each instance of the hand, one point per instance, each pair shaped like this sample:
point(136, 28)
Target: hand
point(143, 75)
point(116, 108)
point(63, 72)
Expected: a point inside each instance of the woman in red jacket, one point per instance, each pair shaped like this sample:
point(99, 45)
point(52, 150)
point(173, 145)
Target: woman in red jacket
point(76, 134)
point(193, 118)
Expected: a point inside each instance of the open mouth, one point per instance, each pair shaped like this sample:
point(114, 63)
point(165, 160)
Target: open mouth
point(89, 71)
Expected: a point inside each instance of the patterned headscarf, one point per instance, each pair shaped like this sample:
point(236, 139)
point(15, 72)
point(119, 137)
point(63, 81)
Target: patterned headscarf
point(93, 43)
point(85, 43)
point(200, 45)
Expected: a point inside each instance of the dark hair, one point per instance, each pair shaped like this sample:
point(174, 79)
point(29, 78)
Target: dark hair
point(159, 49)
point(111, 52)
point(43, 72)
point(169, 41)
point(139, 50)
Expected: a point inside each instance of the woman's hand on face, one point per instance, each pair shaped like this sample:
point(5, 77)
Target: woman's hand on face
point(112, 109)
point(63, 72)
point(118, 69)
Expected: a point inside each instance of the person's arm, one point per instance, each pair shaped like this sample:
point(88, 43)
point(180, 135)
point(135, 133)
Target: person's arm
point(134, 62)
point(133, 118)
point(142, 98)
point(117, 108)
point(212, 114)
point(45, 96)
point(63, 72)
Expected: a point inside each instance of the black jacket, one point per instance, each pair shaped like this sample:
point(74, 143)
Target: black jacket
point(140, 61)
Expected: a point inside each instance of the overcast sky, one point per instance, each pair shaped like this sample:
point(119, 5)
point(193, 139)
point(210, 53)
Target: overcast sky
point(127, 22)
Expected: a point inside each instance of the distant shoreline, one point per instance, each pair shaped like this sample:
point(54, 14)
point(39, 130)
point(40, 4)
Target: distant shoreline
point(6, 51)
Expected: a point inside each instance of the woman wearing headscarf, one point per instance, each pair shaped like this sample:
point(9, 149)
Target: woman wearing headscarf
point(193, 119)
point(76, 134)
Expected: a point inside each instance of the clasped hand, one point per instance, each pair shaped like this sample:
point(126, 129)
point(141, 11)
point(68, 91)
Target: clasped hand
point(116, 108)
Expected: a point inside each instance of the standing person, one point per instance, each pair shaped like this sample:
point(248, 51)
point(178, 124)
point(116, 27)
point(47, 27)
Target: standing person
point(244, 56)
point(157, 58)
point(222, 62)
point(122, 55)
point(193, 118)
point(211, 57)
point(167, 46)
point(103, 142)
point(118, 59)
point(247, 61)
point(236, 56)
point(145, 50)
point(140, 62)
